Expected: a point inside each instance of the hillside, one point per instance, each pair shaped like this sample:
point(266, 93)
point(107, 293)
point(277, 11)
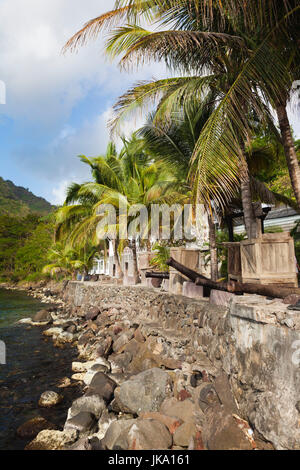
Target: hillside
point(18, 201)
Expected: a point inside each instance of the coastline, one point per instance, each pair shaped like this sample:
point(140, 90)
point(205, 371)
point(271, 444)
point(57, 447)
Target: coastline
point(33, 366)
point(136, 392)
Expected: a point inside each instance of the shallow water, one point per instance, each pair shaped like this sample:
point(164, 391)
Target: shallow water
point(33, 365)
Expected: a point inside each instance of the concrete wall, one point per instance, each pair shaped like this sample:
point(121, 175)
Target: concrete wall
point(257, 343)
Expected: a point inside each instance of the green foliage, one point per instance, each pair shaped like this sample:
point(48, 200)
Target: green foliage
point(24, 244)
point(161, 257)
point(18, 201)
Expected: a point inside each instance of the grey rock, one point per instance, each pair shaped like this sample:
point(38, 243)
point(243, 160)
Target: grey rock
point(114, 432)
point(83, 422)
point(146, 391)
point(103, 386)
point(92, 404)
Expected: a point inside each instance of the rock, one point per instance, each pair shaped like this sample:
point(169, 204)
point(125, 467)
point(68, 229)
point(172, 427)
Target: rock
point(120, 362)
point(139, 337)
point(25, 321)
point(91, 404)
point(92, 314)
point(104, 422)
point(184, 410)
point(93, 371)
point(207, 396)
point(65, 337)
point(224, 393)
point(52, 440)
point(170, 422)
point(33, 427)
point(223, 432)
point(184, 395)
point(103, 386)
point(64, 383)
point(83, 422)
point(114, 431)
point(146, 391)
point(146, 434)
point(122, 340)
point(50, 399)
point(170, 363)
point(54, 332)
point(82, 444)
point(184, 434)
point(42, 316)
point(105, 348)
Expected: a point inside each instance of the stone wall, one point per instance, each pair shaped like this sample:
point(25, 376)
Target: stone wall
point(255, 341)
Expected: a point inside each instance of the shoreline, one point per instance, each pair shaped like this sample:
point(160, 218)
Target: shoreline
point(33, 366)
point(136, 395)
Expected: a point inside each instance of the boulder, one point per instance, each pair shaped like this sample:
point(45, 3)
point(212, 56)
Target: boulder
point(54, 332)
point(184, 434)
point(83, 423)
point(114, 431)
point(33, 427)
point(146, 434)
point(42, 316)
point(91, 404)
point(184, 410)
point(146, 391)
point(92, 314)
point(122, 340)
point(104, 422)
point(103, 386)
point(223, 431)
point(50, 399)
point(81, 445)
point(52, 440)
point(170, 422)
point(105, 347)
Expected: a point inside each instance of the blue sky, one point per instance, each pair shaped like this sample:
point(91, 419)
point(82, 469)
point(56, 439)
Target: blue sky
point(57, 106)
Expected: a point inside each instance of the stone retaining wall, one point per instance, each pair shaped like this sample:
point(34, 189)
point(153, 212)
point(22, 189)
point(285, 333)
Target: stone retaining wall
point(255, 341)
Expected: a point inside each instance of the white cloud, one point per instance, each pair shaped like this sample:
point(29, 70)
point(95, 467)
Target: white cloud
point(59, 193)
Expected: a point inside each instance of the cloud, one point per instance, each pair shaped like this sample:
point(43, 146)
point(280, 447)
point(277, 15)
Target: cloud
point(58, 104)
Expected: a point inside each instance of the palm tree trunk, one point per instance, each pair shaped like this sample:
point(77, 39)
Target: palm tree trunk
point(289, 149)
point(119, 272)
point(246, 193)
point(213, 248)
point(135, 264)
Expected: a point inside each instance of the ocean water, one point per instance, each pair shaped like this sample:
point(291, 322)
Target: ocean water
point(33, 366)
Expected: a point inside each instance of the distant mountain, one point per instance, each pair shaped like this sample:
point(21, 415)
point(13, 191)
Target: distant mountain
point(18, 201)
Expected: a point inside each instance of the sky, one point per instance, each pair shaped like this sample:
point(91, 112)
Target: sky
point(57, 106)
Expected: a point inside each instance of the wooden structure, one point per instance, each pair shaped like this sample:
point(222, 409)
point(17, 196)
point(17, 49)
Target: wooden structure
point(269, 259)
point(186, 257)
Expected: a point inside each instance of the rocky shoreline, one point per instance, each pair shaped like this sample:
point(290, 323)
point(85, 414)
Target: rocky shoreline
point(136, 396)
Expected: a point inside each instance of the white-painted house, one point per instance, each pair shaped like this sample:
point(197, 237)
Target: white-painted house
point(285, 217)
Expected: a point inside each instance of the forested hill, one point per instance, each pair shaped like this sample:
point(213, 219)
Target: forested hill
point(18, 201)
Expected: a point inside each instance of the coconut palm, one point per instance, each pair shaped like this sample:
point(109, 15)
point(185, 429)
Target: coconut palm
point(128, 180)
point(203, 38)
point(173, 143)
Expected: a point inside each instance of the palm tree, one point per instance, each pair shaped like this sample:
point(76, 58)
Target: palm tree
point(173, 143)
point(132, 178)
point(204, 38)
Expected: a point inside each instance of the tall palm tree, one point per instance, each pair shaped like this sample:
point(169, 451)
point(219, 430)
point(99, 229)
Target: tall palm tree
point(203, 37)
point(173, 143)
point(130, 178)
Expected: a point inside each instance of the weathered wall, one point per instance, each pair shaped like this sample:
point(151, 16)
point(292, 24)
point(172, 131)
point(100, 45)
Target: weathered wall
point(257, 343)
